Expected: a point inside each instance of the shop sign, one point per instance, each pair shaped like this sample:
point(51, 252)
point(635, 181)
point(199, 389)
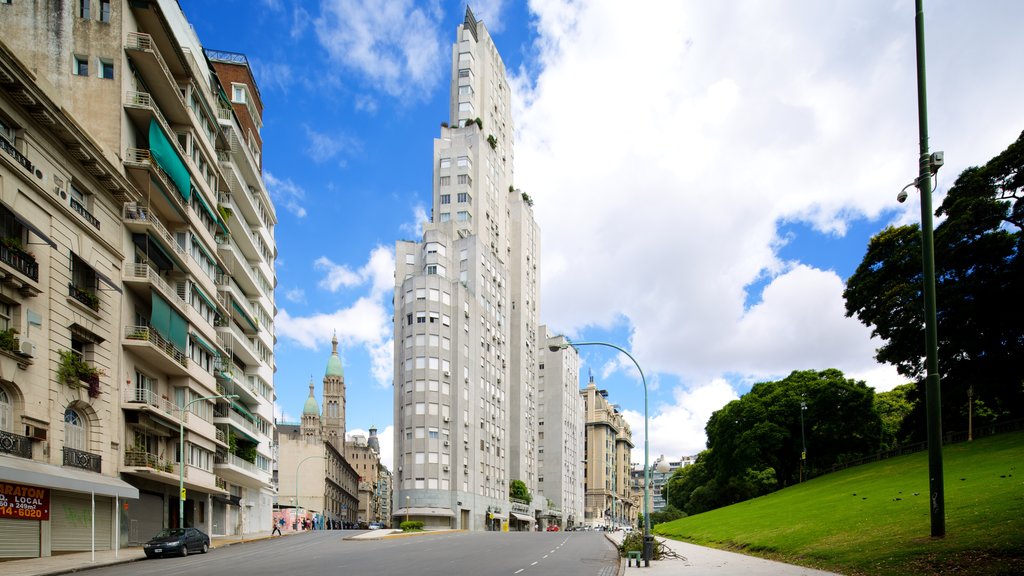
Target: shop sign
point(24, 502)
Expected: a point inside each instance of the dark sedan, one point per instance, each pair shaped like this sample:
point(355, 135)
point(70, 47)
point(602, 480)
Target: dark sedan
point(177, 542)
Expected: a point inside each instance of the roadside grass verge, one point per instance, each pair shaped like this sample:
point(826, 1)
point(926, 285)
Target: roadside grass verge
point(873, 519)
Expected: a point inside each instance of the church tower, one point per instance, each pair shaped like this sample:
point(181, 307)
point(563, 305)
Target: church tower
point(334, 399)
point(311, 416)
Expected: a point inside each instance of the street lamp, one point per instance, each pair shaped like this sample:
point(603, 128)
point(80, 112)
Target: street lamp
point(181, 454)
point(648, 539)
point(803, 440)
point(406, 508)
point(297, 482)
point(928, 164)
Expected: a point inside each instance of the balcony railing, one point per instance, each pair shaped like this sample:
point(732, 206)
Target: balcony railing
point(144, 272)
point(134, 213)
point(85, 296)
point(20, 261)
point(143, 396)
point(143, 157)
point(239, 420)
point(15, 445)
point(142, 459)
point(82, 459)
point(231, 459)
point(80, 208)
point(156, 339)
point(143, 41)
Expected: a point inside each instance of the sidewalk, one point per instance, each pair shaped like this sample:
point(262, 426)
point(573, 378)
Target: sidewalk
point(66, 563)
point(700, 560)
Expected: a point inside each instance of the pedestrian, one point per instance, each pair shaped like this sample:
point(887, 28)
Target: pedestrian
point(277, 527)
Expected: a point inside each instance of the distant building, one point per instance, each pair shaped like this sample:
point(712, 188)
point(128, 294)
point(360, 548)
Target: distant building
point(364, 455)
point(661, 470)
point(609, 497)
point(315, 480)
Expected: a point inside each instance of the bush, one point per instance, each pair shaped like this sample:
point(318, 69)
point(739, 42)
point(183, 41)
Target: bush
point(634, 542)
point(411, 526)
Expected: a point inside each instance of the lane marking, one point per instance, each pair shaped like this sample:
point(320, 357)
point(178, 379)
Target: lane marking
point(518, 571)
point(534, 564)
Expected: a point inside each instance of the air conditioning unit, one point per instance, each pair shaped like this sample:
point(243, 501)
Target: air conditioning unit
point(447, 374)
point(28, 348)
point(35, 432)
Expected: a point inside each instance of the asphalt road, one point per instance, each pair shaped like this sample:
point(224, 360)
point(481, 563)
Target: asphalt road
point(441, 554)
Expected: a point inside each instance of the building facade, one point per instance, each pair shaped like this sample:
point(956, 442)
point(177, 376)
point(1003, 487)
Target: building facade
point(609, 497)
point(190, 254)
point(363, 453)
point(460, 295)
point(316, 482)
point(561, 434)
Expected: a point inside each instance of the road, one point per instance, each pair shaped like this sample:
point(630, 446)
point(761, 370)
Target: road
point(440, 554)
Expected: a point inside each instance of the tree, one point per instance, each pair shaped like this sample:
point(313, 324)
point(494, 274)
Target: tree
point(893, 407)
point(517, 489)
point(979, 273)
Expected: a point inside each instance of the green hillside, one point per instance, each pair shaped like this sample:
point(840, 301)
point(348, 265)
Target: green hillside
point(873, 519)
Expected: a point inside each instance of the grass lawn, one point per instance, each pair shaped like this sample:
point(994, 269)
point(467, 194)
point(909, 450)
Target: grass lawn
point(873, 519)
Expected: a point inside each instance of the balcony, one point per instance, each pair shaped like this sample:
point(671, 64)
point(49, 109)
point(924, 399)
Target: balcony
point(85, 296)
point(82, 459)
point(142, 168)
point(15, 445)
point(149, 401)
point(238, 421)
point(152, 346)
point(144, 277)
point(150, 63)
point(143, 459)
point(80, 208)
point(21, 261)
point(233, 469)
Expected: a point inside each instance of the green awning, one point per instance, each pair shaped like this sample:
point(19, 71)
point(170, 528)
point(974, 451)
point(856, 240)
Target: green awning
point(179, 331)
point(243, 411)
point(206, 207)
point(167, 158)
point(245, 315)
point(205, 253)
point(204, 297)
point(199, 340)
point(160, 317)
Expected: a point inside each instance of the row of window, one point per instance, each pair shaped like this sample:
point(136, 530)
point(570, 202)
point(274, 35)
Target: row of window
point(104, 67)
point(461, 197)
point(85, 9)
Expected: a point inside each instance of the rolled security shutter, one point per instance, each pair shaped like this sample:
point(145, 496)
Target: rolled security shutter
point(145, 518)
point(71, 523)
point(19, 538)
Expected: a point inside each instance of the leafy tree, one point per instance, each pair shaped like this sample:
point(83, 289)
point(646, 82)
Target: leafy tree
point(979, 273)
point(893, 407)
point(517, 489)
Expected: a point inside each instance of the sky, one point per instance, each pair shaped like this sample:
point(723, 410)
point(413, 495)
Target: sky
point(706, 175)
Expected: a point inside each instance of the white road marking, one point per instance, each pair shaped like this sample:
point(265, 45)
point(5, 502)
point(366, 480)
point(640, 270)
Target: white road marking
point(518, 571)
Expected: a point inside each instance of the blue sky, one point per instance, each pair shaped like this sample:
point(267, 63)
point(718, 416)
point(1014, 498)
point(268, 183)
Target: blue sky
point(705, 175)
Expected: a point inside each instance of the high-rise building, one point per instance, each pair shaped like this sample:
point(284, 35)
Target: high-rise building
point(609, 496)
point(466, 305)
point(561, 434)
point(174, 273)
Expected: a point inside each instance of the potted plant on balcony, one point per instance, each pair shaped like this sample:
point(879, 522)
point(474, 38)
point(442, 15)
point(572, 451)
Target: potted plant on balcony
point(73, 371)
point(9, 340)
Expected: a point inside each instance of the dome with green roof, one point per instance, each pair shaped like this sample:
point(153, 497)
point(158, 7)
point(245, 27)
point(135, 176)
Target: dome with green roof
point(311, 408)
point(334, 362)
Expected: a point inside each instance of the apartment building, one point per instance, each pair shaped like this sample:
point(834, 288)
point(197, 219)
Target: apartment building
point(561, 435)
point(461, 296)
point(609, 496)
point(188, 252)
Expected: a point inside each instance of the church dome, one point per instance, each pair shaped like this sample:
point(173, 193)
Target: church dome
point(311, 408)
point(334, 362)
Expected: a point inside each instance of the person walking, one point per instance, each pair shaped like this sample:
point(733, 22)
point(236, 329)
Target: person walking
point(277, 527)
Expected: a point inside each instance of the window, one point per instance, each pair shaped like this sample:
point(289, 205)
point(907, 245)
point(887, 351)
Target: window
point(463, 216)
point(5, 315)
point(104, 10)
point(446, 216)
point(83, 283)
point(446, 180)
point(81, 66)
point(83, 8)
point(464, 197)
point(466, 108)
point(463, 162)
point(6, 130)
point(446, 198)
point(74, 430)
point(6, 411)
point(446, 162)
point(465, 179)
point(238, 93)
point(106, 69)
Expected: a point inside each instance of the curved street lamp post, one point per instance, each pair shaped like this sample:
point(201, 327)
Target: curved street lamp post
point(297, 482)
point(648, 539)
point(181, 454)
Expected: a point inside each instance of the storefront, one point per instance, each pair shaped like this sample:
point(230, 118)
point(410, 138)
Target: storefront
point(47, 509)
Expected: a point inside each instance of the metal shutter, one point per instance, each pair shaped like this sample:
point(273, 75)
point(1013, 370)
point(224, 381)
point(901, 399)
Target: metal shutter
point(71, 526)
point(145, 517)
point(19, 538)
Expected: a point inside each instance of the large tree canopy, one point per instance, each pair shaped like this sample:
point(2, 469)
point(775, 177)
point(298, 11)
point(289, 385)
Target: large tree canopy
point(979, 275)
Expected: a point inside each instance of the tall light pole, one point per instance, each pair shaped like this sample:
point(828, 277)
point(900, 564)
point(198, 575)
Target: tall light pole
point(181, 454)
point(648, 539)
point(803, 440)
point(928, 164)
point(297, 482)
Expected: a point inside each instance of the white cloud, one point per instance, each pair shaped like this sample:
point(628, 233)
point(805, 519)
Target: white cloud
point(414, 229)
point(367, 322)
point(680, 155)
point(297, 295)
point(677, 429)
point(285, 193)
point(489, 12)
point(281, 416)
point(323, 147)
point(395, 45)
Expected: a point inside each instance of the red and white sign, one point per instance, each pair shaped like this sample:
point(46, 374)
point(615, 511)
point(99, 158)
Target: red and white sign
point(22, 502)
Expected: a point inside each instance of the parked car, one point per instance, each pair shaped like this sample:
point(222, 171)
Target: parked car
point(376, 526)
point(553, 528)
point(177, 542)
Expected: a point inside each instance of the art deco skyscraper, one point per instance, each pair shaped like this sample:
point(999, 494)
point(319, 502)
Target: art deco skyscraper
point(466, 303)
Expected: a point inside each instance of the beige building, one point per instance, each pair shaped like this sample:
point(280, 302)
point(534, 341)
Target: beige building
point(315, 480)
point(364, 455)
point(170, 282)
point(609, 497)
point(60, 313)
point(466, 303)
